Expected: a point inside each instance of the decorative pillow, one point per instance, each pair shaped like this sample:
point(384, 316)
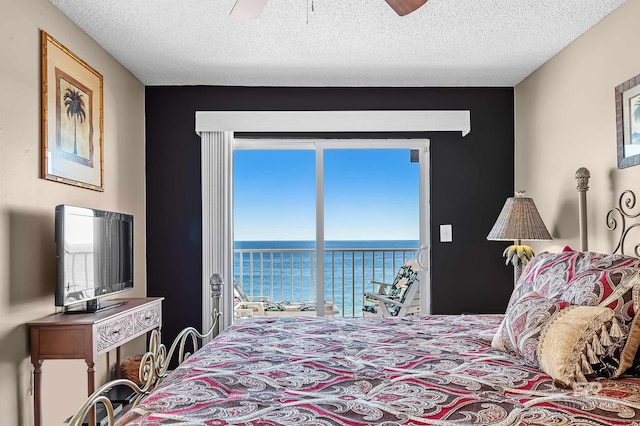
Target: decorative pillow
point(548, 273)
point(614, 282)
point(585, 341)
point(618, 261)
point(519, 332)
point(611, 278)
point(606, 284)
point(635, 366)
point(587, 285)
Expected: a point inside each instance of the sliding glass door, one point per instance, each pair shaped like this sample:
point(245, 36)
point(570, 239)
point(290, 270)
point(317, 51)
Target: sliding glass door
point(371, 220)
point(274, 231)
point(316, 221)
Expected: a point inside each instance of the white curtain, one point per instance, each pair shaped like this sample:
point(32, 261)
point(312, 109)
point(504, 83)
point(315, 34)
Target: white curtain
point(217, 221)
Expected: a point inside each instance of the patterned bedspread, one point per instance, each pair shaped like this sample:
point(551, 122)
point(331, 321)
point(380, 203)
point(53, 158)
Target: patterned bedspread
point(434, 370)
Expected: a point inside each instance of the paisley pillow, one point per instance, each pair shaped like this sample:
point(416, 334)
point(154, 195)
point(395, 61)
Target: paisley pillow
point(548, 273)
point(519, 332)
point(612, 285)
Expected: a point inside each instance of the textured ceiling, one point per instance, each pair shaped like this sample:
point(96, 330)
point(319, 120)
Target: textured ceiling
point(338, 43)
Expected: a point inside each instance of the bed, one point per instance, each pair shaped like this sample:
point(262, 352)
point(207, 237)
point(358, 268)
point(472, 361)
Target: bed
point(564, 353)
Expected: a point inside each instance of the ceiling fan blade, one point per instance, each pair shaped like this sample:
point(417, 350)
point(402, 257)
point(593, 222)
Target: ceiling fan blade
point(248, 9)
point(404, 7)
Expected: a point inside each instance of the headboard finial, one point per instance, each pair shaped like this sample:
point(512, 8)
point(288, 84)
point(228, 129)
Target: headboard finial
point(582, 177)
point(216, 281)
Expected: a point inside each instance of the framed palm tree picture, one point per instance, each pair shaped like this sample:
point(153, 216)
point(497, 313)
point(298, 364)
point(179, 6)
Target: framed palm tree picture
point(72, 118)
point(627, 99)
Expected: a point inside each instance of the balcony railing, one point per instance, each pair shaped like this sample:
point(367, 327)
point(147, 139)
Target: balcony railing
point(288, 275)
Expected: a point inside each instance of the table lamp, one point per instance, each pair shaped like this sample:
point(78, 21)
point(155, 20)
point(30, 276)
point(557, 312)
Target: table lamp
point(519, 220)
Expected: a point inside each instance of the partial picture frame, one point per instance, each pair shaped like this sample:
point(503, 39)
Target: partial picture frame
point(627, 100)
point(72, 118)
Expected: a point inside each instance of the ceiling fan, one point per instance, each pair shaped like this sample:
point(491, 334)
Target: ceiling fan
point(405, 7)
point(251, 9)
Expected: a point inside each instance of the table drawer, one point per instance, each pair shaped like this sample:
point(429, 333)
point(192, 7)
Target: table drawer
point(146, 318)
point(118, 330)
point(112, 332)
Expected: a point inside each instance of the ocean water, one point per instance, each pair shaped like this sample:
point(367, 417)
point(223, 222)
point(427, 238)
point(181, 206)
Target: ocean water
point(288, 269)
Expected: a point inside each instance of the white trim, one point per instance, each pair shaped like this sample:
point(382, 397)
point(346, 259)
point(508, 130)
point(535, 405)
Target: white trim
point(320, 232)
point(425, 229)
point(334, 121)
point(240, 144)
point(311, 144)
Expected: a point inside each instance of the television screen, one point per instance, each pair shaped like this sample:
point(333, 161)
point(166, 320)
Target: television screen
point(94, 254)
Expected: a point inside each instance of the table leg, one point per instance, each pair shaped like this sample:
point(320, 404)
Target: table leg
point(37, 382)
point(91, 377)
point(117, 372)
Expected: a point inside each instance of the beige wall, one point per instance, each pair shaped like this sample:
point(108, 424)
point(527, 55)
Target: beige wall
point(565, 119)
point(27, 264)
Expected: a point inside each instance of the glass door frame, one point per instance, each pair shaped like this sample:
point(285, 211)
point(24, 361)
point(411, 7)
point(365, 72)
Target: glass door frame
point(320, 145)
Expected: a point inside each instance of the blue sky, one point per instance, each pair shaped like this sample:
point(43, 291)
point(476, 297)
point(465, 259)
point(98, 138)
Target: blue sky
point(369, 195)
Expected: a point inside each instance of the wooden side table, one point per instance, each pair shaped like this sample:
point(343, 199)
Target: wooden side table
point(86, 336)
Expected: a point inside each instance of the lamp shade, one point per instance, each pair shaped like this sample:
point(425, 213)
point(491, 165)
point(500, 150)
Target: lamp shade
point(519, 220)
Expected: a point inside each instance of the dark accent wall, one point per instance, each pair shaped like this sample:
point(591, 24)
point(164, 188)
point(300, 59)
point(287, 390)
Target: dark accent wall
point(470, 179)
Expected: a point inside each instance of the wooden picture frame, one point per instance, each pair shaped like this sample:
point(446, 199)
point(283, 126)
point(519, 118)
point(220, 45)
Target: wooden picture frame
point(627, 100)
point(72, 118)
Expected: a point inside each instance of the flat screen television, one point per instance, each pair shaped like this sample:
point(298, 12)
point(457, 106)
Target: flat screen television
point(94, 257)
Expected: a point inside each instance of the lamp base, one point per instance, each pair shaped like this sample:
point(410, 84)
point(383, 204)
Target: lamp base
point(517, 271)
point(518, 255)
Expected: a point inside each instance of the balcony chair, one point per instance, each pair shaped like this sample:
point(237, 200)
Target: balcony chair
point(249, 306)
point(400, 298)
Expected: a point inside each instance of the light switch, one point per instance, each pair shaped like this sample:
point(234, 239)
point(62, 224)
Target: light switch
point(446, 233)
